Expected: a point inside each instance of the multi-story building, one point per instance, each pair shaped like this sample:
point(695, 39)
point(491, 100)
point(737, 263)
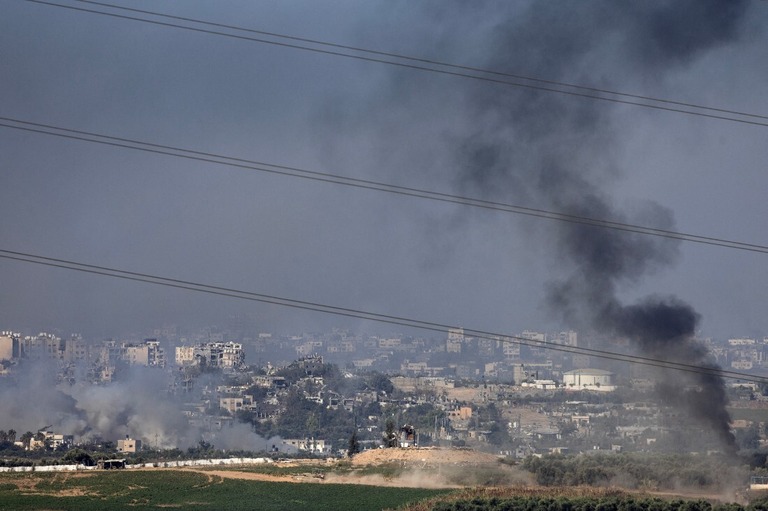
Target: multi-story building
point(313, 445)
point(488, 347)
point(49, 439)
point(567, 338)
point(148, 353)
point(136, 354)
point(224, 355)
point(389, 343)
point(107, 353)
point(10, 346)
point(235, 404)
point(42, 345)
point(185, 355)
point(75, 348)
point(233, 356)
point(128, 445)
point(511, 348)
point(455, 340)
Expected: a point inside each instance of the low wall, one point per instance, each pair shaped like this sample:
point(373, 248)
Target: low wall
point(160, 464)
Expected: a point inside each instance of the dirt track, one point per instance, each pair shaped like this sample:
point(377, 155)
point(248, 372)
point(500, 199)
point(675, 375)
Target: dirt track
point(426, 455)
point(369, 480)
point(432, 468)
point(416, 468)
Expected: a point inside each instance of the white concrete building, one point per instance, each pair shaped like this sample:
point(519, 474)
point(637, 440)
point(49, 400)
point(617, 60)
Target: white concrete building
point(148, 353)
point(128, 445)
point(313, 445)
point(588, 379)
point(455, 340)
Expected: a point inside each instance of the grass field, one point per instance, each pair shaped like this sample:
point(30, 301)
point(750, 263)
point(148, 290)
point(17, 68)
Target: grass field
point(181, 490)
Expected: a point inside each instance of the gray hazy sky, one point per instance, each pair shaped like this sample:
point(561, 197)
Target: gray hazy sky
point(362, 249)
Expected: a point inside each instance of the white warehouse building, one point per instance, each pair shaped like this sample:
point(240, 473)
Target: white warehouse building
point(588, 379)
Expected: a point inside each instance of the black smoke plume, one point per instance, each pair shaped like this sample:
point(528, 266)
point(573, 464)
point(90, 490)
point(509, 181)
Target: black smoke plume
point(531, 145)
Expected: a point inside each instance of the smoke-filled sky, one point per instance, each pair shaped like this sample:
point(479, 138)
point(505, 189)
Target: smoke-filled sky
point(363, 249)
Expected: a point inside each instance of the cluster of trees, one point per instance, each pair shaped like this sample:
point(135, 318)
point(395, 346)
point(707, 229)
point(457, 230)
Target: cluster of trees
point(70, 457)
point(8, 439)
point(634, 470)
point(303, 417)
point(7, 436)
point(78, 457)
point(591, 504)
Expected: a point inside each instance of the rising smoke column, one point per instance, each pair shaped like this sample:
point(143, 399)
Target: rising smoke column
point(136, 406)
point(557, 151)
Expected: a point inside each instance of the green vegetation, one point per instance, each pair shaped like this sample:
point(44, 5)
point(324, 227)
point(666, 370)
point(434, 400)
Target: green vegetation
point(587, 504)
point(131, 490)
point(572, 499)
point(635, 470)
point(305, 417)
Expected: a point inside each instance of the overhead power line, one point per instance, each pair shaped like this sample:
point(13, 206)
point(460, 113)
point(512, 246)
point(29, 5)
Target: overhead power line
point(229, 161)
point(418, 63)
point(177, 152)
point(366, 315)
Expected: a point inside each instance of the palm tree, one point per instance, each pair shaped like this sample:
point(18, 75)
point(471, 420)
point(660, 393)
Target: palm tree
point(26, 438)
point(43, 441)
point(311, 426)
point(354, 445)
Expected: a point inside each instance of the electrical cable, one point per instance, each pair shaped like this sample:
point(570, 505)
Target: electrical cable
point(366, 315)
point(420, 59)
point(185, 153)
point(459, 71)
point(207, 157)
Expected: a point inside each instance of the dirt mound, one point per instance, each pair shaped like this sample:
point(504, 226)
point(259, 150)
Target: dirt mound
point(422, 456)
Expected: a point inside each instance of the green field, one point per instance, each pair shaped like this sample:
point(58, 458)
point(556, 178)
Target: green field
point(181, 490)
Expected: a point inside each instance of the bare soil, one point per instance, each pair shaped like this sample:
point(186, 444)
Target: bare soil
point(402, 468)
point(423, 455)
point(444, 468)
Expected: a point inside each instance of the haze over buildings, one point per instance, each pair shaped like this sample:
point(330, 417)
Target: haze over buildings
point(548, 395)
